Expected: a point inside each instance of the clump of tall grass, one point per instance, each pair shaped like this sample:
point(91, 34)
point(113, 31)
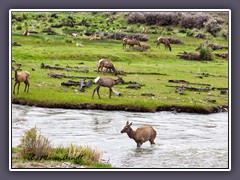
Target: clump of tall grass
point(205, 53)
point(34, 146)
point(68, 40)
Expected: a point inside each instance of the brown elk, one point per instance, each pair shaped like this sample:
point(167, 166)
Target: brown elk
point(141, 135)
point(130, 42)
point(106, 82)
point(74, 34)
point(109, 20)
point(95, 38)
point(26, 33)
point(21, 77)
point(164, 41)
point(107, 64)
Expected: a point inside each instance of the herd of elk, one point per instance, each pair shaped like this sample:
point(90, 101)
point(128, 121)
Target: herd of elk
point(164, 41)
point(106, 82)
point(141, 135)
point(21, 77)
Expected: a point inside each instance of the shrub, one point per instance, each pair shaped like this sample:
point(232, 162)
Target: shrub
point(68, 40)
point(175, 41)
point(77, 154)
point(34, 146)
point(225, 34)
point(183, 30)
point(194, 21)
point(206, 53)
point(213, 27)
point(152, 18)
point(136, 17)
point(190, 33)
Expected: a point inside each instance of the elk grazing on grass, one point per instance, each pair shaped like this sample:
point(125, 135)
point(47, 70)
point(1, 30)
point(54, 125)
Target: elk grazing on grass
point(107, 64)
point(130, 42)
point(141, 135)
point(164, 41)
point(21, 77)
point(95, 38)
point(106, 82)
point(26, 33)
point(74, 34)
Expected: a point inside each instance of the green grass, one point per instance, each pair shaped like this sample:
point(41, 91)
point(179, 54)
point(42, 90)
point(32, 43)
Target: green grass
point(36, 148)
point(54, 49)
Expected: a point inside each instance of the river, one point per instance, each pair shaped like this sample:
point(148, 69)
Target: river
point(183, 140)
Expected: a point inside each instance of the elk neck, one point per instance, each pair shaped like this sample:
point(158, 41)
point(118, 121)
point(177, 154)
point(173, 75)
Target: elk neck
point(131, 133)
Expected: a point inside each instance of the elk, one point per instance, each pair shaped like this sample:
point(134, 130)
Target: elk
point(74, 34)
point(164, 41)
point(26, 33)
point(107, 64)
point(95, 38)
point(141, 135)
point(130, 42)
point(106, 82)
point(21, 77)
point(109, 20)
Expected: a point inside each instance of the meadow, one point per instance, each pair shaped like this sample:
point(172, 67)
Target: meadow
point(151, 69)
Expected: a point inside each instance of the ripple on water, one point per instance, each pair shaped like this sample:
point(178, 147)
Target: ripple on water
point(183, 140)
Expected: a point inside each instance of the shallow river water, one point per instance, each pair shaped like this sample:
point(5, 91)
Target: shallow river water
point(183, 140)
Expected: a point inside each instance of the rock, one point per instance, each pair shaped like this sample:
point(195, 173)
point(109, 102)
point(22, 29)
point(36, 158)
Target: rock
point(210, 100)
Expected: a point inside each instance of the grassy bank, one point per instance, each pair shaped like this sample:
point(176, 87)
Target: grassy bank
point(151, 69)
point(37, 151)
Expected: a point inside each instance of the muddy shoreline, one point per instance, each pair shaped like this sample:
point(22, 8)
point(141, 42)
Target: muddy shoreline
point(108, 107)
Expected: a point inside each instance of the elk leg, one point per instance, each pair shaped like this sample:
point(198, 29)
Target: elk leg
point(97, 88)
point(139, 144)
point(94, 91)
point(110, 92)
point(18, 88)
point(14, 87)
point(25, 82)
point(28, 86)
point(151, 141)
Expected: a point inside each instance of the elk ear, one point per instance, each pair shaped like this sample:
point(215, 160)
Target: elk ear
point(127, 123)
point(130, 124)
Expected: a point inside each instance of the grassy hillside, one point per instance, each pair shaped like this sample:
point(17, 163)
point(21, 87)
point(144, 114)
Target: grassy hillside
point(152, 69)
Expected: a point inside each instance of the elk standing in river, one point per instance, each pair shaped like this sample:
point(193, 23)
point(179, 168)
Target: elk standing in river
point(21, 77)
point(141, 135)
point(130, 42)
point(106, 82)
point(164, 41)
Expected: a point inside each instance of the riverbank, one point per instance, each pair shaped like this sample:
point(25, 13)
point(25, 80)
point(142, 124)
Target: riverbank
point(174, 108)
point(155, 79)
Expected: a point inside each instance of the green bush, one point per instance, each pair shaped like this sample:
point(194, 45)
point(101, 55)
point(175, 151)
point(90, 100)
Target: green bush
point(77, 154)
point(206, 53)
point(190, 33)
point(68, 40)
point(34, 146)
point(19, 26)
